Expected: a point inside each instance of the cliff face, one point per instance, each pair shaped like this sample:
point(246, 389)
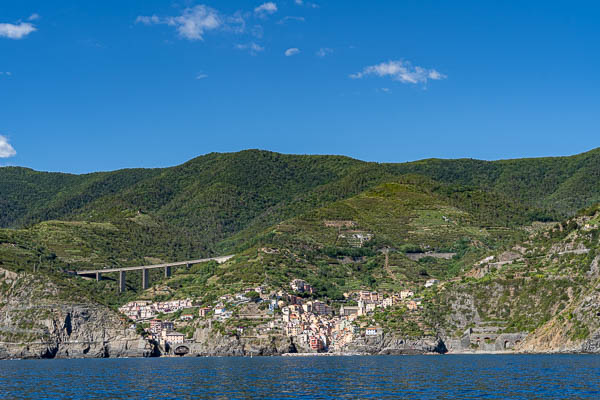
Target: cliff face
point(576, 329)
point(543, 296)
point(208, 342)
point(40, 319)
point(395, 345)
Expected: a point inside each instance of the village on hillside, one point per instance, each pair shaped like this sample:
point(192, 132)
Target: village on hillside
point(313, 325)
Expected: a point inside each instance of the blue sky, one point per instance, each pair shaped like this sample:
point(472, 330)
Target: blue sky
point(102, 85)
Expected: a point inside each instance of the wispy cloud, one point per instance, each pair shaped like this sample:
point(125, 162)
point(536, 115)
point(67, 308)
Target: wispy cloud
point(201, 76)
point(6, 150)
point(7, 73)
point(34, 17)
point(323, 51)
point(292, 51)
point(265, 9)
point(257, 31)
point(251, 47)
point(290, 18)
point(16, 31)
point(302, 3)
point(402, 71)
point(192, 24)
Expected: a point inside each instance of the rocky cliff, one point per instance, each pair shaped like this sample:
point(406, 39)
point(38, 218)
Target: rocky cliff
point(42, 319)
point(574, 330)
point(542, 296)
point(209, 342)
point(390, 344)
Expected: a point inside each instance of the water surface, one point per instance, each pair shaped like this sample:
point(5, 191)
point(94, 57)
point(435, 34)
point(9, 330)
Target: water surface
point(359, 377)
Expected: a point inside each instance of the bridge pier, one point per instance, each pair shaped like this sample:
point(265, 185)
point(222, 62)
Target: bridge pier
point(188, 265)
point(145, 279)
point(98, 276)
point(121, 281)
point(167, 272)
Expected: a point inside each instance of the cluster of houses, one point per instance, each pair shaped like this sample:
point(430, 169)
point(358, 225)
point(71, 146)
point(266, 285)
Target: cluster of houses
point(140, 310)
point(312, 323)
point(164, 333)
point(368, 302)
point(300, 286)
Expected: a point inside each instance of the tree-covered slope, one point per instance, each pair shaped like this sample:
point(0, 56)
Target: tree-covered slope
point(223, 193)
point(408, 213)
point(340, 224)
point(546, 285)
point(341, 246)
point(28, 196)
point(209, 197)
point(560, 184)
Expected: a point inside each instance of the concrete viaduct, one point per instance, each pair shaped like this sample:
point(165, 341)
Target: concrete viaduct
point(97, 273)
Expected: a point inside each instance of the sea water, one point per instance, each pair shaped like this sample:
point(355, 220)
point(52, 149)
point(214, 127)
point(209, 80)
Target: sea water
point(352, 377)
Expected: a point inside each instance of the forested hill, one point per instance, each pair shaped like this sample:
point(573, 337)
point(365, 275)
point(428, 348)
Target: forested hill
point(341, 224)
point(562, 184)
point(218, 195)
point(28, 196)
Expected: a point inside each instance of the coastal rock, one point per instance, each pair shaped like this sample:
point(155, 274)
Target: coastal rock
point(576, 331)
point(209, 342)
point(391, 344)
point(39, 319)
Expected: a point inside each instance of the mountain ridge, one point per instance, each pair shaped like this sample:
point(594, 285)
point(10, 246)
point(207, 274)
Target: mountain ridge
point(342, 225)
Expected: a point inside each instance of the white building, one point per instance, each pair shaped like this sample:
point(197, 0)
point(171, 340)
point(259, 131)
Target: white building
point(372, 331)
point(388, 302)
point(406, 293)
point(431, 282)
point(172, 337)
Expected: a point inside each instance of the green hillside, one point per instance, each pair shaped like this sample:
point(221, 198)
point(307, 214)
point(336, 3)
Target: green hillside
point(404, 214)
point(408, 215)
point(234, 202)
point(561, 184)
point(548, 285)
point(215, 196)
point(341, 224)
point(28, 196)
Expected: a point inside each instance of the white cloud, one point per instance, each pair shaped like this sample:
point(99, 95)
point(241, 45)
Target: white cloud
point(19, 31)
point(191, 24)
point(433, 74)
point(257, 31)
point(252, 47)
point(266, 8)
point(290, 18)
point(402, 71)
point(292, 52)
point(235, 23)
point(6, 150)
point(148, 20)
point(201, 76)
point(301, 3)
point(34, 17)
point(323, 51)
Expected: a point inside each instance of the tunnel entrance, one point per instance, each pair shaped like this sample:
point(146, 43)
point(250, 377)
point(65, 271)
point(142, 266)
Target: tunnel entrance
point(181, 350)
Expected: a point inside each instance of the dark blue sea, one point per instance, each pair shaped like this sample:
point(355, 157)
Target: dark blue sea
point(376, 377)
